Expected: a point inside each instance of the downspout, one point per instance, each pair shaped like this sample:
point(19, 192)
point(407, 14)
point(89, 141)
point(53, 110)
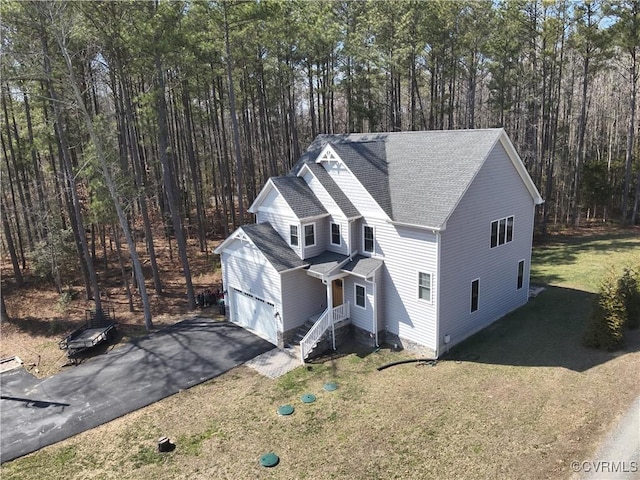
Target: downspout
point(375, 310)
point(437, 296)
point(330, 309)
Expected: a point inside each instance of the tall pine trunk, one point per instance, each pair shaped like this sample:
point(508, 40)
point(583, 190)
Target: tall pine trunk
point(169, 181)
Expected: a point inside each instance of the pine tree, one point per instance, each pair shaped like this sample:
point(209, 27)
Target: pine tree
point(605, 328)
point(629, 294)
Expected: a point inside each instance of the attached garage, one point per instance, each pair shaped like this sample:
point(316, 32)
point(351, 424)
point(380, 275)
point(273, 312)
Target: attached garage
point(255, 314)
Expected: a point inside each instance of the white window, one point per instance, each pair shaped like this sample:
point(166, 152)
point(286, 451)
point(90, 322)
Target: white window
point(424, 286)
point(368, 239)
point(309, 235)
point(335, 234)
point(501, 231)
point(293, 235)
point(361, 295)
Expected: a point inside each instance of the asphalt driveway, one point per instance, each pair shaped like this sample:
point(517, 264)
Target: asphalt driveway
point(38, 412)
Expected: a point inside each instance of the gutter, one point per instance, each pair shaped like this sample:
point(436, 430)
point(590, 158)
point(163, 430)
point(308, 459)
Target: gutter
point(415, 225)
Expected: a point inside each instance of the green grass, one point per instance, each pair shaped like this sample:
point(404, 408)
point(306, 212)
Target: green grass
point(521, 399)
point(581, 262)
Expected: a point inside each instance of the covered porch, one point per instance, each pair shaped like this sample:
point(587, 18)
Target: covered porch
point(340, 274)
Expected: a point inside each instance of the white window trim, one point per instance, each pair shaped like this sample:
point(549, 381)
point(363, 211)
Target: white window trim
point(471, 296)
point(430, 300)
point(304, 234)
point(297, 235)
point(355, 295)
point(513, 230)
point(524, 269)
point(372, 252)
point(339, 233)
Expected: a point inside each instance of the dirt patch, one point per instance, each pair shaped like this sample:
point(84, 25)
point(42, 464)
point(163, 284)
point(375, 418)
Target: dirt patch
point(40, 316)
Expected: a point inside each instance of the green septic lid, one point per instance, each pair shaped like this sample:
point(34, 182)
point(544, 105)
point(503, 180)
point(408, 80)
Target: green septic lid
point(269, 460)
point(285, 410)
point(330, 386)
point(308, 398)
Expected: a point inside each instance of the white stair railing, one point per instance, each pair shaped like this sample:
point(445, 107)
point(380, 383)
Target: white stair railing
point(324, 323)
point(341, 312)
point(314, 334)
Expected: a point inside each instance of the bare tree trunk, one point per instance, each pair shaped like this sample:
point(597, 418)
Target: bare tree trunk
point(630, 139)
point(4, 316)
point(141, 183)
point(10, 246)
point(123, 271)
point(580, 152)
point(137, 266)
point(64, 151)
point(169, 183)
point(234, 117)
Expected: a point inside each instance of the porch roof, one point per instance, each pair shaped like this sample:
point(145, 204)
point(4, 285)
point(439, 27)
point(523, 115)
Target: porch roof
point(362, 266)
point(323, 264)
point(273, 247)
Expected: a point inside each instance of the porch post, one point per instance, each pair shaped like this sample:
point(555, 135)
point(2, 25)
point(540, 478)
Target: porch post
point(330, 310)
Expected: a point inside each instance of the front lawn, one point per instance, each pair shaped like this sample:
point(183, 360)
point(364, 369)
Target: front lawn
point(522, 399)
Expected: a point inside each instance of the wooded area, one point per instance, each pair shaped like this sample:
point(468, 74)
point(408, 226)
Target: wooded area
point(162, 120)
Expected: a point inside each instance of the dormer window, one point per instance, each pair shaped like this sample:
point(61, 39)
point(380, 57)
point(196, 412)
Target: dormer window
point(368, 239)
point(293, 235)
point(309, 235)
point(335, 234)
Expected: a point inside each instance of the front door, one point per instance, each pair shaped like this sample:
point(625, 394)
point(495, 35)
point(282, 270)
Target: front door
point(337, 294)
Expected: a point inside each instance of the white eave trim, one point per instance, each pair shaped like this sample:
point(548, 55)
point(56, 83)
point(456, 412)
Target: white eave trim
point(261, 196)
point(521, 169)
point(238, 234)
point(415, 225)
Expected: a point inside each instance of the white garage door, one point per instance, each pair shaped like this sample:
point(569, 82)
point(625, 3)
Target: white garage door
point(255, 314)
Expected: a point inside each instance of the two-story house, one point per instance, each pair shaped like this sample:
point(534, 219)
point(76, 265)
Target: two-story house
point(413, 238)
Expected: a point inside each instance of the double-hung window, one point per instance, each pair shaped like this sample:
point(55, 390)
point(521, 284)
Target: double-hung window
point(309, 235)
point(293, 235)
point(360, 294)
point(424, 286)
point(335, 234)
point(501, 231)
point(368, 239)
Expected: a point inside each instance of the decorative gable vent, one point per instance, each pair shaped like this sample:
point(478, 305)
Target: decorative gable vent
point(328, 155)
point(242, 236)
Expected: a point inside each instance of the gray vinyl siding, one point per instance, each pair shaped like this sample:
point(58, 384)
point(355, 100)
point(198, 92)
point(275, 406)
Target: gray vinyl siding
point(497, 192)
point(407, 251)
point(246, 269)
point(275, 211)
point(343, 248)
point(303, 297)
point(360, 317)
point(322, 238)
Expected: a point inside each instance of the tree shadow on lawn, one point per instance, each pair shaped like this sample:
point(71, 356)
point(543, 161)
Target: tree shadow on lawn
point(547, 332)
point(564, 250)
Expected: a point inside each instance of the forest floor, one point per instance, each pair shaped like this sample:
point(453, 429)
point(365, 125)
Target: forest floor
point(40, 316)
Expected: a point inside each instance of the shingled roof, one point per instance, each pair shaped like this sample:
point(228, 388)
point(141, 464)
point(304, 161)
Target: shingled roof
point(416, 177)
point(299, 196)
point(274, 248)
point(343, 202)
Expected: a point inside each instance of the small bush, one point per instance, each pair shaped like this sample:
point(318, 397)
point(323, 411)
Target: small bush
point(606, 324)
point(629, 293)
point(64, 301)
